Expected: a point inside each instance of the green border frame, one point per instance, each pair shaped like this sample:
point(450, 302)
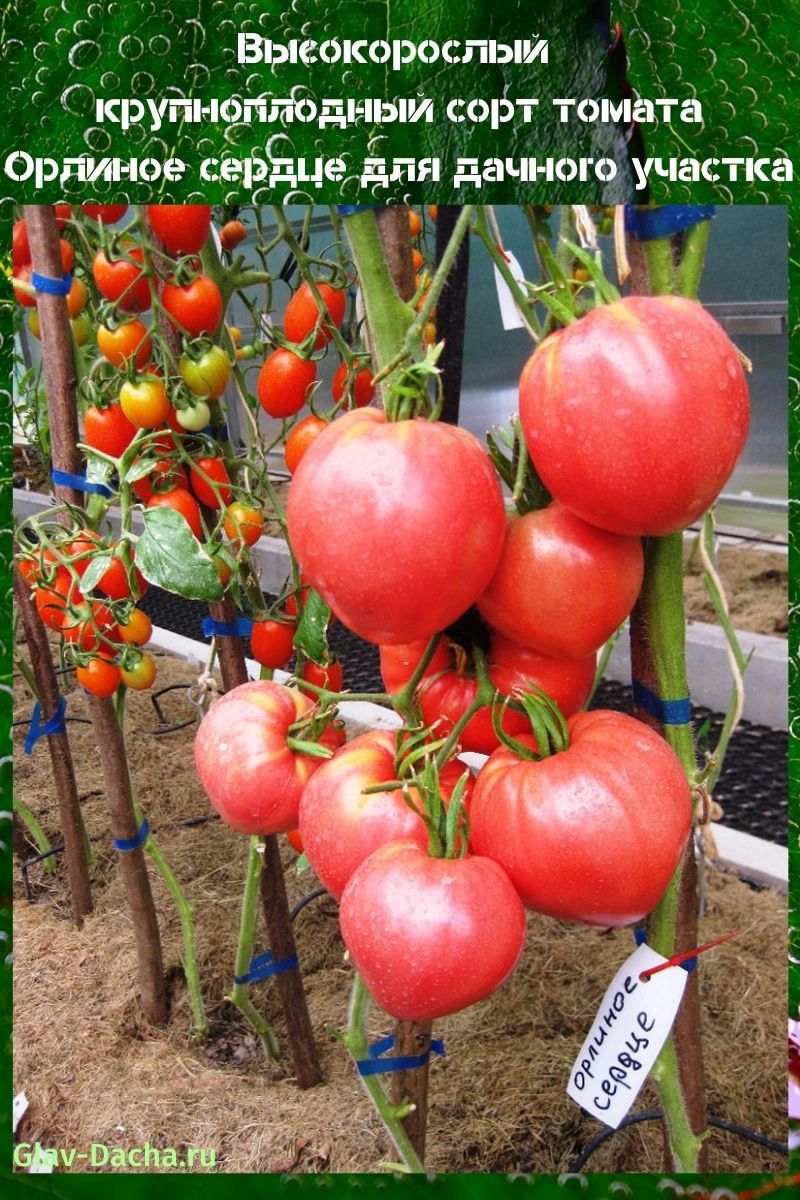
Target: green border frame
point(739, 58)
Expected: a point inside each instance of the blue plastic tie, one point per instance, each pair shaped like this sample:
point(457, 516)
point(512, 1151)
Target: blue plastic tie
point(641, 940)
point(375, 1064)
point(239, 628)
point(218, 432)
point(670, 712)
point(54, 724)
point(51, 287)
point(80, 483)
point(263, 966)
point(647, 224)
point(347, 210)
point(127, 844)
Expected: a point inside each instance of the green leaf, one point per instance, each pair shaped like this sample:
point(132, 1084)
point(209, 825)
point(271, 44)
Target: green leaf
point(310, 636)
point(140, 468)
point(95, 572)
point(170, 556)
point(302, 865)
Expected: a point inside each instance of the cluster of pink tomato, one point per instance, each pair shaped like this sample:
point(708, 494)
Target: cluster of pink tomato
point(634, 417)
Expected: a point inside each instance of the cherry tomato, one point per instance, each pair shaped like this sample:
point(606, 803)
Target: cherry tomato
point(414, 223)
point(122, 281)
point(417, 259)
point(562, 586)
point(82, 549)
point(636, 414)
point(51, 600)
point(78, 296)
point(223, 569)
point(295, 841)
point(361, 388)
point(115, 582)
point(183, 228)
point(109, 214)
point(302, 313)
point(417, 529)
point(302, 436)
point(182, 502)
point(125, 345)
point(575, 832)
point(140, 676)
point(20, 246)
point(284, 383)
point(433, 211)
point(448, 686)
point(166, 474)
point(328, 675)
point(195, 418)
point(341, 824)
point(243, 523)
point(196, 308)
point(63, 212)
point(108, 430)
point(89, 626)
point(26, 299)
point(138, 629)
point(430, 936)
point(272, 642)
point(250, 775)
point(144, 401)
point(232, 234)
point(217, 473)
point(208, 375)
point(99, 676)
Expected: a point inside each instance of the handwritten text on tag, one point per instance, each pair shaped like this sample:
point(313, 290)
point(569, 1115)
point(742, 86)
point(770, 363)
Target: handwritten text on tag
point(632, 1024)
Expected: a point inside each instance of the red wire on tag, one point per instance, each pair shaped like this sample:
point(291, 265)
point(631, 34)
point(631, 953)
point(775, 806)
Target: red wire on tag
point(677, 959)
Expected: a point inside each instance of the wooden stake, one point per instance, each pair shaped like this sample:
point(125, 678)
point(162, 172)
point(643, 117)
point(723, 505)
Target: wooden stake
point(60, 387)
point(61, 757)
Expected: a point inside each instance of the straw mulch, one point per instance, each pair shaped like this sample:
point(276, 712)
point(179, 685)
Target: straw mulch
point(93, 1072)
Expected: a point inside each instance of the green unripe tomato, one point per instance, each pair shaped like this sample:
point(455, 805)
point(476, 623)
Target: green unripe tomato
point(195, 418)
point(209, 375)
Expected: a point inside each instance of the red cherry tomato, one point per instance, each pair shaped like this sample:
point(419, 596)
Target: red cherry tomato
point(196, 309)
point(562, 586)
point(272, 642)
point(302, 313)
point(301, 437)
point(417, 529)
point(575, 832)
point(109, 214)
point(250, 775)
point(99, 676)
point(284, 383)
point(217, 473)
point(448, 687)
point(232, 234)
point(327, 676)
point(115, 582)
point(90, 626)
point(183, 502)
point(165, 476)
point(183, 228)
point(52, 599)
point(430, 936)
point(340, 825)
point(108, 430)
point(122, 281)
point(636, 414)
point(362, 388)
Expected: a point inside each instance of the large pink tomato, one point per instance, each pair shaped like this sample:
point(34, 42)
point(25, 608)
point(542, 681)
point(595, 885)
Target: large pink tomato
point(250, 775)
point(636, 414)
point(430, 935)
point(398, 525)
point(562, 586)
point(340, 826)
point(448, 686)
point(593, 833)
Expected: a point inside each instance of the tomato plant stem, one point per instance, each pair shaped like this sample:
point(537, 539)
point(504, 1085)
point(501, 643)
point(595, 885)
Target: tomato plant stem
point(240, 992)
point(692, 259)
point(357, 1043)
point(523, 302)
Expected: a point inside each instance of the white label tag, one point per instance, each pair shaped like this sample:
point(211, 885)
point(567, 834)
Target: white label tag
point(632, 1024)
point(509, 313)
